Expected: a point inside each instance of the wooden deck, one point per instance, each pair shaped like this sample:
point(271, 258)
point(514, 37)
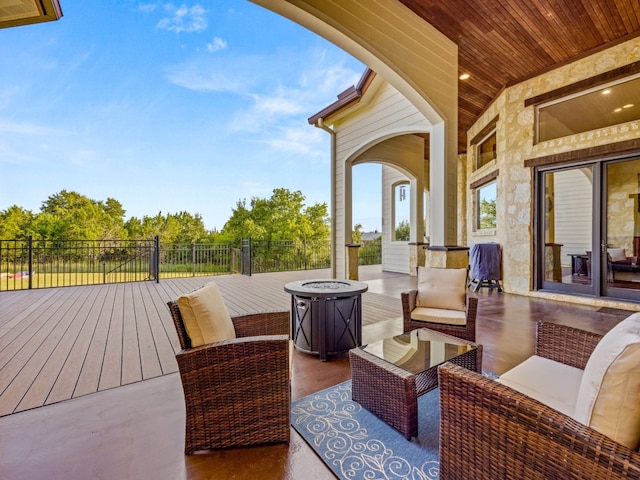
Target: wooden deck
point(62, 343)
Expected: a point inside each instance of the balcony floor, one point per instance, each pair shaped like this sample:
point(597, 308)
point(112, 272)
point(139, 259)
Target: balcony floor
point(64, 351)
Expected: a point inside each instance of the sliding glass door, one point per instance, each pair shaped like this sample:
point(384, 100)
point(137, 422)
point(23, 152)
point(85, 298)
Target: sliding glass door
point(620, 249)
point(567, 230)
point(588, 232)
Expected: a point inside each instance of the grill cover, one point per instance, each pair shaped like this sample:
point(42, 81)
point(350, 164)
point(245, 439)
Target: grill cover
point(485, 261)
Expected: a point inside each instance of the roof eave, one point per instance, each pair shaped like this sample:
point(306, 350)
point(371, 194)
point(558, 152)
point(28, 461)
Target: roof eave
point(348, 98)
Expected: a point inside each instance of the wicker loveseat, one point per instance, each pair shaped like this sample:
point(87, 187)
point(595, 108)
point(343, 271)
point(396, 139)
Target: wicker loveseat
point(491, 431)
point(237, 388)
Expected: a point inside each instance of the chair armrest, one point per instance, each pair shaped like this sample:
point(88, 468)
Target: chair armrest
point(408, 304)
point(237, 360)
point(564, 344)
point(488, 430)
point(265, 323)
point(472, 310)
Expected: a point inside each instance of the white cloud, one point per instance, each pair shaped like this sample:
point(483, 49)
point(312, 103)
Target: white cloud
point(147, 7)
point(183, 18)
point(281, 90)
point(8, 126)
point(281, 103)
point(216, 44)
point(302, 139)
point(194, 75)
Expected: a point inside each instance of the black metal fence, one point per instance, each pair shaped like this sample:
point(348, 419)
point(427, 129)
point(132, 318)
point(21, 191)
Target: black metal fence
point(26, 264)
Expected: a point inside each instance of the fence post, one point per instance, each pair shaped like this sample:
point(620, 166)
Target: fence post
point(246, 256)
point(193, 259)
point(156, 257)
point(30, 262)
point(304, 251)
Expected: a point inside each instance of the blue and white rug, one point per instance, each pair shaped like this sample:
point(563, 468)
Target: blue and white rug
point(355, 444)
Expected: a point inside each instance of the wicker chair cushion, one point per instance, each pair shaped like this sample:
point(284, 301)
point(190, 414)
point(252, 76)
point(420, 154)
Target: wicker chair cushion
point(205, 316)
point(617, 254)
point(444, 288)
point(552, 383)
point(609, 396)
point(439, 315)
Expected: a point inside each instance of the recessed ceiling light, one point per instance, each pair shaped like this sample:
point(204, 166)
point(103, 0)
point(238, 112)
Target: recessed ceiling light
point(464, 76)
point(606, 91)
point(628, 105)
point(617, 110)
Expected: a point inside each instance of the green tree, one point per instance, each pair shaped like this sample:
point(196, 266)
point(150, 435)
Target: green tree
point(356, 234)
point(283, 216)
point(487, 213)
point(181, 227)
point(69, 215)
point(403, 231)
point(16, 223)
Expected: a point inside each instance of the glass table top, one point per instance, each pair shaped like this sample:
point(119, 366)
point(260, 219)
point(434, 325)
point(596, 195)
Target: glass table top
point(418, 350)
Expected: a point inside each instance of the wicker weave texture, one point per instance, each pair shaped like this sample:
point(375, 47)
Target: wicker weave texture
point(489, 431)
point(237, 392)
point(391, 393)
point(466, 332)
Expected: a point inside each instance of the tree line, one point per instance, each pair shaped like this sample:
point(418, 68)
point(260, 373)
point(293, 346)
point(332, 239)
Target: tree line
point(69, 215)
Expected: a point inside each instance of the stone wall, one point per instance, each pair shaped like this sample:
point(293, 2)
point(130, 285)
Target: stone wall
point(515, 134)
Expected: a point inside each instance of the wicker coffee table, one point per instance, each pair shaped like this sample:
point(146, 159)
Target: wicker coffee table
point(388, 376)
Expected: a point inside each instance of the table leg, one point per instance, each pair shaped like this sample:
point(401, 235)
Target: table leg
point(385, 390)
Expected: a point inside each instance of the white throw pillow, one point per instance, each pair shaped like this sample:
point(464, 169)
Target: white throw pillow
point(609, 396)
point(444, 288)
point(205, 316)
point(616, 254)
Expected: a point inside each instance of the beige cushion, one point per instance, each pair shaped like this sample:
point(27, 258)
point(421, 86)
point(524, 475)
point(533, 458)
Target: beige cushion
point(205, 316)
point(609, 396)
point(444, 288)
point(438, 315)
point(552, 383)
point(617, 254)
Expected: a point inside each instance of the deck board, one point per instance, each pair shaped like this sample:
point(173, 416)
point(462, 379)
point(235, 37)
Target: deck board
point(56, 354)
point(111, 374)
point(62, 343)
point(67, 378)
point(91, 371)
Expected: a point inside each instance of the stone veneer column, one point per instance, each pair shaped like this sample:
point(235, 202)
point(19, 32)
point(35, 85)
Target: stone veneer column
point(352, 265)
point(417, 256)
point(447, 257)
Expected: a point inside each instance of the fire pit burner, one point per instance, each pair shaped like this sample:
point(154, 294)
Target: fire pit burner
point(326, 284)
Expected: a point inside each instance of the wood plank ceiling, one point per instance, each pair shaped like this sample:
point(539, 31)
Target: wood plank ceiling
point(503, 42)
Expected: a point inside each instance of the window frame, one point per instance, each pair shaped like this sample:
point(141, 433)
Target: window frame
point(568, 96)
point(394, 220)
point(477, 188)
point(478, 149)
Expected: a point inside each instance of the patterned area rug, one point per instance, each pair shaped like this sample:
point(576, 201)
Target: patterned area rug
point(355, 444)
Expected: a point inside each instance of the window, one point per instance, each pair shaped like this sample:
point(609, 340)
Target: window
point(593, 109)
point(401, 212)
point(486, 150)
point(486, 206)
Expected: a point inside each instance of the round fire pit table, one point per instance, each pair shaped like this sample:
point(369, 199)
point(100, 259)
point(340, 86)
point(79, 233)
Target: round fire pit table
point(326, 315)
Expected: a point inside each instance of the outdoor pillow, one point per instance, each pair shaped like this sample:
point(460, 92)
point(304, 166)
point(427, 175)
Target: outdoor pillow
point(609, 396)
point(444, 288)
point(617, 254)
point(205, 316)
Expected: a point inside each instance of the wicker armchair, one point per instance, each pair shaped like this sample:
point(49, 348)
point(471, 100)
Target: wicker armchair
point(466, 331)
point(490, 431)
point(237, 392)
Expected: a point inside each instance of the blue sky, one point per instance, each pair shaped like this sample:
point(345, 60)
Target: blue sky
point(170, 107)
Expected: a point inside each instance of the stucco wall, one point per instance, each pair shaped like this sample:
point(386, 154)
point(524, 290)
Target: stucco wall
point(515, 131)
